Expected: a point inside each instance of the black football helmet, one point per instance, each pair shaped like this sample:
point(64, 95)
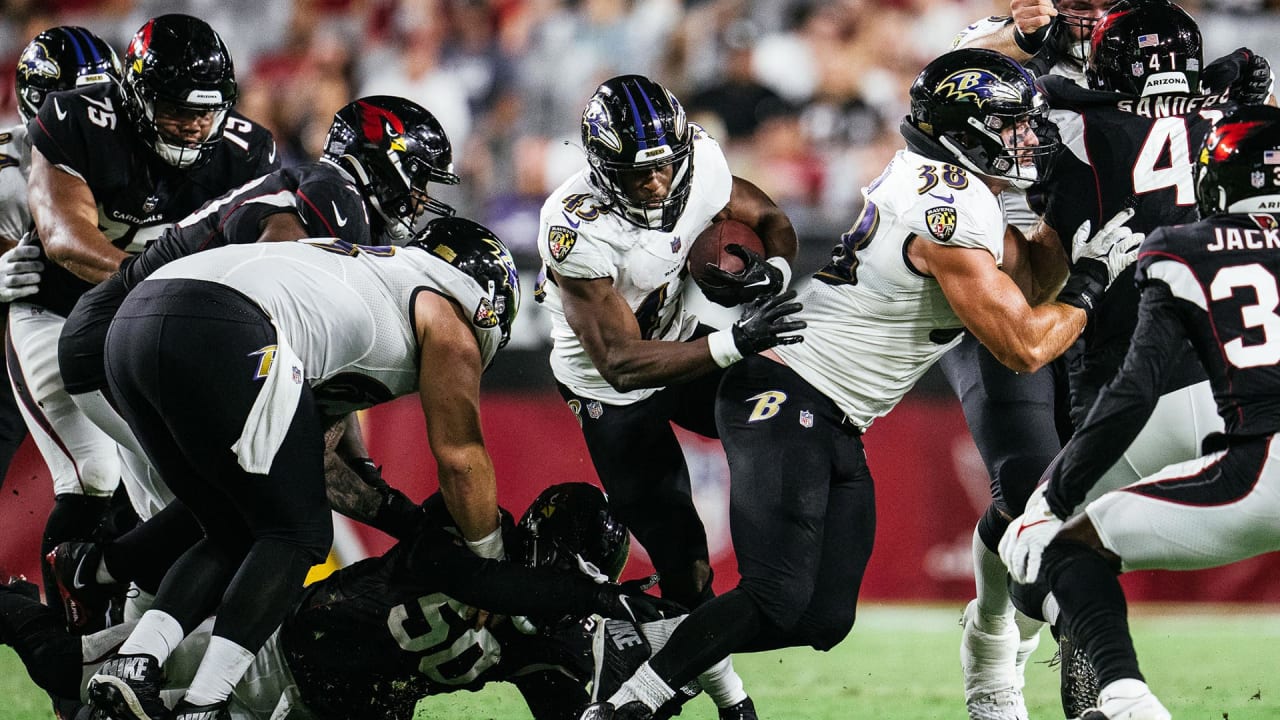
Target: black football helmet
point(476, 251)
point(569, 526)
point(1073, 27)
point(62, 58)
point(631, 125)
point(965, 102)
point(393, 147)
point(1145, 47)
point(1238, 168)
point(178, 64)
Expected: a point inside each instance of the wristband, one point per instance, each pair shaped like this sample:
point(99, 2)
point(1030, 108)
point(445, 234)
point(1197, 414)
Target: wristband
point(785, 267)
point(1031, 44)
point(723, 349)
point(490, 546)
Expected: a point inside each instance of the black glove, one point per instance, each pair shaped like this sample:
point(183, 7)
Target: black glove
point(397, 515)
point(764, 321)
point(756, 279)
point(627, 602)
point(1244, 73)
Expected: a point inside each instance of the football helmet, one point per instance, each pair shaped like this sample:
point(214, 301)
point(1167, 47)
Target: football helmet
point(1145, 47)
point(1236, 167)
point(633, 125)
point(476, 251)
point(62, 58)
point(1071, 30)
point(177, 66)
point(569, 526)
point(979, 108)
point(393, 147)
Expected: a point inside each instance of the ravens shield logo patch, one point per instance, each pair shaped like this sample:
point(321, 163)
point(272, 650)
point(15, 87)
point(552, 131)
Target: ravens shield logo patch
point(941, 222)
point(560, 241)
point(485, 316)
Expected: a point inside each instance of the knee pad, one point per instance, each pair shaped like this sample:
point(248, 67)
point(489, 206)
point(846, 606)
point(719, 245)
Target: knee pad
point(1029, 599)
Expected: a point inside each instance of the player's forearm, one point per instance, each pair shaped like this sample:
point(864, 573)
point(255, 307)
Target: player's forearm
point(470, 490)
point(1002, 41)
point(1049, 270)
point(654, 363)
point(1030, 342)
point(84, 251)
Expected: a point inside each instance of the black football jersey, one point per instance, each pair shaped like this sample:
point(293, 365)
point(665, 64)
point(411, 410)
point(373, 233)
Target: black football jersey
point(321, 195)
point(1216, 285)
point(374, 637)
point(1121, 152)
point(87, 133)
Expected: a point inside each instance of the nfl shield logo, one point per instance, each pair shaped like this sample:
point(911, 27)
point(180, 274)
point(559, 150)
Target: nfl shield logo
point(1257, 178)
point(806, 419)
point(675, 244)
point(297, 375)
point(595, 409)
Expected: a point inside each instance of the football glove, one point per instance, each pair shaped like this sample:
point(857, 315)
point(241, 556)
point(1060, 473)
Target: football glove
point(1097, 260)
point(397, 515)
point(20, 269)
point(1245, 74)
point(1024, 541)
point(758, 278)
point(763, 324)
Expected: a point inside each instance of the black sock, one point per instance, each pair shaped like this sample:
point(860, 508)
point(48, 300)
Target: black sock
point(1093, 609)
point(144, 554)
point(718, 628)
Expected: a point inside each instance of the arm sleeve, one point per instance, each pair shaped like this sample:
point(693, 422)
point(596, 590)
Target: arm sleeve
point(1124, 405)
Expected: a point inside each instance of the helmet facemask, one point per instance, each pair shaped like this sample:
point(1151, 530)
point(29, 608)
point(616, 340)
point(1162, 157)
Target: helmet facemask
point(155, 113)
point(997, 146)
point(611, 178)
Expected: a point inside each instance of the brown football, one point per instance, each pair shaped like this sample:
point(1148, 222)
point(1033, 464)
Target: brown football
point(709, 248)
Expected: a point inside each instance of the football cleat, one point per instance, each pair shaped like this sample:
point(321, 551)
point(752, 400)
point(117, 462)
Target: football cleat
point(84, 599)
point(745, 710)
point(988, 662)
point(1079, 681)
point(1127, 699)
point(127, 687)
point(634, 710)
point(187, 711)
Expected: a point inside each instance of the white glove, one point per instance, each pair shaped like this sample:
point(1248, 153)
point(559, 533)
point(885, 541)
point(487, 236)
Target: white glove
point(20, 269)
point(1027, 536)
point(1115, 246)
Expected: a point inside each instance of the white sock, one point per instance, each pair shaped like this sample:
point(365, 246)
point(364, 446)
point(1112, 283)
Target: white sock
point(223, 665)
point(156, 634)
point(723, 684)
point(645, 686)
point(991, 584)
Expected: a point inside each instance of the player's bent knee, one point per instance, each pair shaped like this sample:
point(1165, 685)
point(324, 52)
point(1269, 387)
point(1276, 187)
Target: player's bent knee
point(782, 604)
point(1029, 598)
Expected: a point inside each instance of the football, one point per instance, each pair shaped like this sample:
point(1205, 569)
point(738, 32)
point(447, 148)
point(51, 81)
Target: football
point(709, 248)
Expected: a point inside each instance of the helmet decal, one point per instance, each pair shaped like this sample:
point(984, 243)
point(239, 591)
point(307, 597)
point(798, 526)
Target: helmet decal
point(1225, 137)
point(379, 123)
point(35, 60)
point(977, 85)
point(596, 126)
point(139, 44)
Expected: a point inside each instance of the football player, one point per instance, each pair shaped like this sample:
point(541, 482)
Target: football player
point(1206, 284)
point(627, 357)
point(371, 182)
point(251, 350)
point(113, 165)
point(928, 258)
point(1018, 421)
point(60, 58)
point(373, 638)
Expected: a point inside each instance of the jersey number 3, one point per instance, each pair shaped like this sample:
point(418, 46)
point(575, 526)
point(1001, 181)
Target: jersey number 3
point(1261, 315)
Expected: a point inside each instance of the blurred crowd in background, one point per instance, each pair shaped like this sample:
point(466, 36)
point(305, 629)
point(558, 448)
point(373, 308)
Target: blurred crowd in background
point(804, 95)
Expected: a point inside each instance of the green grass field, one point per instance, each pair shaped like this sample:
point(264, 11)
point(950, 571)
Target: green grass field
point(900, 663)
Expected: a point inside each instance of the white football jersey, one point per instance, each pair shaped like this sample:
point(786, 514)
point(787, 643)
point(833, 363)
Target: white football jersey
point(15, 165)
point(345, 309)
point(875, 324)
point(580, 237)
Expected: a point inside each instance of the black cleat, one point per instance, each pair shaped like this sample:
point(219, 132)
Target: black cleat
point(634, 710)
point(745, 710)
point(84, 599)
point(127, 687)
point(187, 711)
point(1079, 681)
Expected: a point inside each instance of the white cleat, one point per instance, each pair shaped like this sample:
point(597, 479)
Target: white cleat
point(1127, 699)
point(992, 686)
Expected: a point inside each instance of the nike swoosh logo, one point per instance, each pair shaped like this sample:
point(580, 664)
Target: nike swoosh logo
point(271, 156)
point(342, 222)
point(1028, 526)
point(57, 110)
point(571, 222)
point(944, 198)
